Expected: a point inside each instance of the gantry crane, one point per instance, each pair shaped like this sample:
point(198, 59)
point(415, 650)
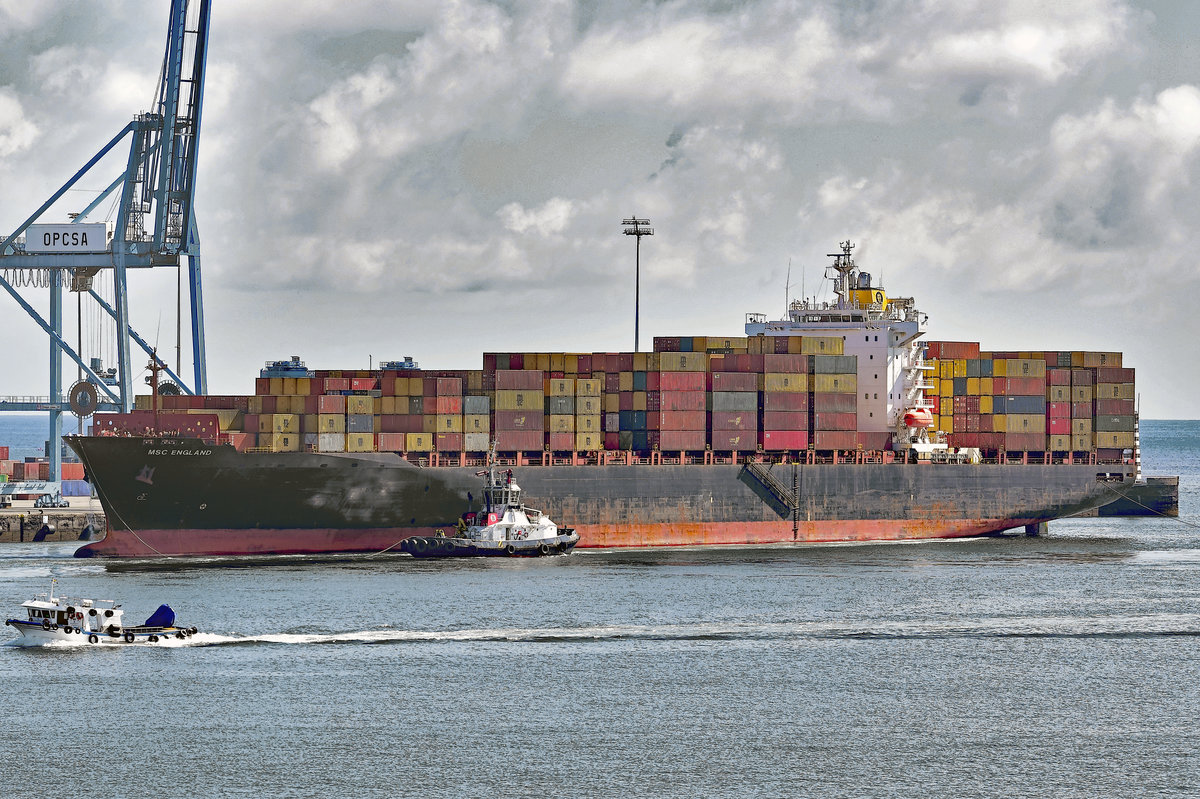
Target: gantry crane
point(155, 227)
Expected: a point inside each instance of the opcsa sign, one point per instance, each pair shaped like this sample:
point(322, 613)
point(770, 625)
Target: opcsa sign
point(90, 237)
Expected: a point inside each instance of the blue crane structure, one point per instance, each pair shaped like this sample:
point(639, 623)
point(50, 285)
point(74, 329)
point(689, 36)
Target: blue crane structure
point(155, 227)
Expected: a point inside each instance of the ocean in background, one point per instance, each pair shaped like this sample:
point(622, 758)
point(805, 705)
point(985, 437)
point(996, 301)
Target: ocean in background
point(1065, 665)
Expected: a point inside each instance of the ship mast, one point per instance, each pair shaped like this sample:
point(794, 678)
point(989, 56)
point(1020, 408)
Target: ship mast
point(844, 265)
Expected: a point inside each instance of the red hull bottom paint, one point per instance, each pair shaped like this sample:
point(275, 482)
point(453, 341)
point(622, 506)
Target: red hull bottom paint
point(164, 543)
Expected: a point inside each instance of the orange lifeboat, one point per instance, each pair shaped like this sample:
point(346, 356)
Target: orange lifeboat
point(918, 417)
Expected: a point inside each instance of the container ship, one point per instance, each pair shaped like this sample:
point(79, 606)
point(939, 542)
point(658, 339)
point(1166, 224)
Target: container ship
point(836, 423)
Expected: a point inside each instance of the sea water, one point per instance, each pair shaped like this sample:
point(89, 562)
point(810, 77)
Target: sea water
point(1061, 666)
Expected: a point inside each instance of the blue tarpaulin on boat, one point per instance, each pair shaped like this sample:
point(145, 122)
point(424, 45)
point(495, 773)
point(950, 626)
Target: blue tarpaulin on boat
point(163, 617)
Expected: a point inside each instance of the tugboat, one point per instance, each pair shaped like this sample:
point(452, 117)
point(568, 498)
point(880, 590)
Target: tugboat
point(505, 527)
point(53, 619)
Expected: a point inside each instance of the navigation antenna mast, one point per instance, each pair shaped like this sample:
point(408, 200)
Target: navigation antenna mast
point(844, 265)
point(637, 227)
point(155, 227)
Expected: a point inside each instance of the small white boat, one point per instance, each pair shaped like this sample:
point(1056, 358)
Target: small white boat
point(53, 619)
point(505, 526)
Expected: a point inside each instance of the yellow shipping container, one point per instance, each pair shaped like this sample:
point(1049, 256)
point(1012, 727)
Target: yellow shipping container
point(960, 367)
point(284, 423)
point(1082, 393)
point(945, 369)
point(226, 419)
point(560, 387)
point(588, 387)
point(639, 401)
point(1058, 393)
point(1024, 367)
point(558, 362)
point(1114, 440)
point(387, 405)
point(625, 381)
point(682, 362)
point(449, 423)
point(1081, 442)
point(588, 405)
point(947, 424)
point(735, 343)
point(304, 386)
point(475, 381)
point(1025, 423)
point(973, 386)
point(587, 442)
point(1060, 443)
point(429, 424)
point(936, 386)
point(253, 404)
point(476, 423)
point(946, 389)
point(542, 361)
point(999, 367)
point(1095, 360)
point(419, 442)
point(401, 387)
point(360, 442)
point(571, 363)
point(986, 386)
point(276, 385)
point(999, 423)
point(289, 386)
point(985, 404)
point(331, 423)
point(1081, 427)
point(309, 423)
point(280, 442)
point(823, 345)
point(513, 400)
point(561, 423)
point(1114, 391)
point(641, 362)
point(416, 386)
point(785, 381)
point(360, 404)
point(589, 423)
point(835, 384)
point(612, 403)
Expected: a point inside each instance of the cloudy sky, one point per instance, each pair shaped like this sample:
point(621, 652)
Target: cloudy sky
point(437, 179)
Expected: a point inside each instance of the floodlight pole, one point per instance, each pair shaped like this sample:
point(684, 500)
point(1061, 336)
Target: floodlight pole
point(637, 227)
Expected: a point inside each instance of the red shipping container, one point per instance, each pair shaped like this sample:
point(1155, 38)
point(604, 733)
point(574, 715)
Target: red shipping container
point(653, 401)
point(949, 350)
point(240, 441)
point(682, 420)
point(583, 365)
point(448, 442)
point(262, 385)
point(683, 400)
point(1058, 426)
point(1026, 386)
point(785, 401)
point(72, 471)
point(1059, 410)
point(934, 400)
point(1058, 377)
point(830, 439)
point(1081, 410)
point(448, 404)
point(250, 422)
point(733, 381)
point(269, 404)
point(837, 421)
point(449, 387)
point(1112, 374)
point(653, 381)
point(364, 383)
point(623, 361)
point(519, 420)
point(933, 350)
point(1114, 407)
point(1025, 442)
point(667, 344)
point(960, 404)
point(600, 362)
point(562, 442)
point(734, 420)
point(612, 441)
point(972, 423)
point(785, 420)
point(331, 403)
point(781, 440)
point(835, 403)
point(682, 440)
point(785, 364)
point(519, 441)
point(392, 442)
point(1082, 377)
point(337, 384)
point(681, 381)
point(516, 361)
point(518, 380)
point(744, 440)
point(489, 362)
point(625, 401)
point(986, 423)
point(612, 383)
